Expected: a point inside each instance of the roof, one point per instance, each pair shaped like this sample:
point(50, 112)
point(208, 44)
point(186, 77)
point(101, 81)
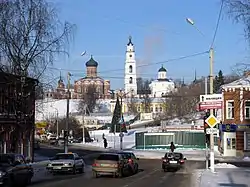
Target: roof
point(91, 62)
point(162, 69)
point(130, 41)
point(243, 82)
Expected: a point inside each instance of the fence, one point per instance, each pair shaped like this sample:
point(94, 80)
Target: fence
point(160, 140)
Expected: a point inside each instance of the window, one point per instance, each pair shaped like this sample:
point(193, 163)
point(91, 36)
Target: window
point(247, 109)
point(230, 109)
point(130, 69)
point(130, 80)
point(112, 157)
point(156, 109)
point(160, 109)
point(139, 109)
point(63, 157)
point(151, 109)
point(130, 56)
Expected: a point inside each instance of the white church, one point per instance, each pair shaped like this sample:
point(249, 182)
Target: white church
point(159, 87)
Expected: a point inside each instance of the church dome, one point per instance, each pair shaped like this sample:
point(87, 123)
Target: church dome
point(162, 69)
point(91, 63)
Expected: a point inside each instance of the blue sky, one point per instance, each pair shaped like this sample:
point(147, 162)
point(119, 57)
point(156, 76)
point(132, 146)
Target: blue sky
point(159, 32)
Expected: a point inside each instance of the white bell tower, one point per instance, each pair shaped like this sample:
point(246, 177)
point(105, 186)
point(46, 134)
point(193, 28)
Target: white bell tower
point(130, 69)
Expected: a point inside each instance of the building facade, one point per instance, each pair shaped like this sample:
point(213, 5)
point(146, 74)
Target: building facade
point(17, 114)
point(236, 117)
point(130, 83)
point(157, 105)
point(162, 86)
point(81, 86)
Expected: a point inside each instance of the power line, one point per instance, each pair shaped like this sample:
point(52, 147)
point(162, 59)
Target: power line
point(217, 24)
point(143, 65)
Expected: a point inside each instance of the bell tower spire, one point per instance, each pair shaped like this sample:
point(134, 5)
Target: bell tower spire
point(130, 69)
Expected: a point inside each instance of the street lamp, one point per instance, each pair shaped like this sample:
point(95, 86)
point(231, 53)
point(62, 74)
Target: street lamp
point(211, 84)
point(66, 133)
point(57, 126)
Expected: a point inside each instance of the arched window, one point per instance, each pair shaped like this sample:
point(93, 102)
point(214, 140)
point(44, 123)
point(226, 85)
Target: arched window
point(130, 69)
point(156, 109)
point(130, 80)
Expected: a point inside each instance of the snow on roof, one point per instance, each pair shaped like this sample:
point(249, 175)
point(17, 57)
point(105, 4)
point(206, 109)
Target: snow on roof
point(243, 82)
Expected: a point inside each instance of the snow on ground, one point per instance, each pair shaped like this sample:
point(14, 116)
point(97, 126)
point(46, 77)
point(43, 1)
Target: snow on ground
point(224, 165)
point(234, 177)
point(246, 159)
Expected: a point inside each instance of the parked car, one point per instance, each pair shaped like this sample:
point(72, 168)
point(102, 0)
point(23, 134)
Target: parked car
point(173, 161)
point(110, 164)
point(66, 162)
point(14, 170)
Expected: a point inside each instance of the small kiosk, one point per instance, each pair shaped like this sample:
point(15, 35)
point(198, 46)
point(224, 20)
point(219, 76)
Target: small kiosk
point(228, 139)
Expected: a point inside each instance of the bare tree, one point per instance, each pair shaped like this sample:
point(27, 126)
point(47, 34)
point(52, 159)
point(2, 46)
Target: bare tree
point(88, 100)
point(132, 103)
point(31, 36)
point(239, 11)
point(183, 102)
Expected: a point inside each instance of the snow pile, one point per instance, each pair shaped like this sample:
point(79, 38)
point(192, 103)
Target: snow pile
point(224, 165)
point(246, 159)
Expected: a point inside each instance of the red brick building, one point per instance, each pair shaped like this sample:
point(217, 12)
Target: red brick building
point(236, 116)
point(17, 114)
point(80, 86)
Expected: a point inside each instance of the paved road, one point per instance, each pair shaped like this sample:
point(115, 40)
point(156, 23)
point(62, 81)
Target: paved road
point(150, 175)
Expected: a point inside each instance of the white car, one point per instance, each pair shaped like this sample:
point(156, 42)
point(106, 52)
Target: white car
point(66, 162)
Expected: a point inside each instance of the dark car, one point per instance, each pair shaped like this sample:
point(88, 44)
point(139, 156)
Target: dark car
point(14, 171)
point(173, 161)
point(132, 161)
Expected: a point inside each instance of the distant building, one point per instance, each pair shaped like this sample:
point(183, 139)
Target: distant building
point(162, 86)
point(81, 85)
point(157, 105)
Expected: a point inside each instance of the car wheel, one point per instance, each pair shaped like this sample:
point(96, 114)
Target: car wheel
point(81, 170)
point(28, 180)
point(95, 174)
point(118, 175)
point(136, 168)
point(165, 170)
point(74, 170)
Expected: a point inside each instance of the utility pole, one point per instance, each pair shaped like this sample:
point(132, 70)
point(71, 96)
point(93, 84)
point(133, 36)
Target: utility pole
point(57, 125)
point(66, 132)
point(207, 159)
point(211, 88)
point(83, 130)
point(121, 134)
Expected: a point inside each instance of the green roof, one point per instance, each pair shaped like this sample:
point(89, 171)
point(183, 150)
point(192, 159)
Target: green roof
point(91, 62)
point(162, 69)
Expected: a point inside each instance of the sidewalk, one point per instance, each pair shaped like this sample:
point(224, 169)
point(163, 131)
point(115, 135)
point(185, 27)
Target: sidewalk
point(230, 177)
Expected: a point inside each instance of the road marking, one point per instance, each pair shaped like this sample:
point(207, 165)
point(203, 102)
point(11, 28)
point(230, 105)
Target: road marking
point(141, 178)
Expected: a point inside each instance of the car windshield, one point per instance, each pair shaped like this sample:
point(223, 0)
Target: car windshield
point(108, 157)
point(63, 157)
point(173, 155)
point(126, 155)
point(6, 159)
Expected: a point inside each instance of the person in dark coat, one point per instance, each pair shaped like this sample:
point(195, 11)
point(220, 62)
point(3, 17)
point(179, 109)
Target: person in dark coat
point(172, 147)
point(105, 143)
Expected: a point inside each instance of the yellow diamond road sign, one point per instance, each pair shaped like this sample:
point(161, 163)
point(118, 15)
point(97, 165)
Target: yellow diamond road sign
point(212, 121)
